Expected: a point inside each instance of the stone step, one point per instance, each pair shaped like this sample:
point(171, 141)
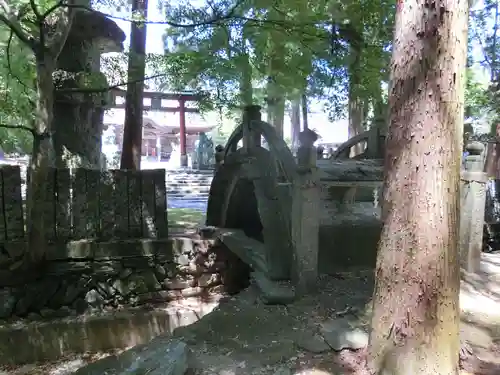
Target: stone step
point(190, 172)
point(188, 193)
point(189, 177)
point(188, 186)
point(203, 197)
point(183, 182)
point(188, 199)
point(175, 183)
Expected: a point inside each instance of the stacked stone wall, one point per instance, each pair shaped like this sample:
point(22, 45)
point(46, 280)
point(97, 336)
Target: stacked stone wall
point(98, 276)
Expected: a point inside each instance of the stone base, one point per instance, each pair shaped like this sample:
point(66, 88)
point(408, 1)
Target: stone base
point(184, 161)
point(114, 330)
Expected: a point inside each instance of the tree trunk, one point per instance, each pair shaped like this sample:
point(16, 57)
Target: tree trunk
point(276, 105)
point(275, 93)
point(355, 105)
point(279, 115)
point(41, 160)
point(380, 110)
point(355, 122)
point(246, 87)
point(295, 122)
point(132, 129)
point(415, 302)
point(304, 112)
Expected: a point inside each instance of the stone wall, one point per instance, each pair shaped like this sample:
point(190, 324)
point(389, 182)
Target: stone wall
point(97, 276)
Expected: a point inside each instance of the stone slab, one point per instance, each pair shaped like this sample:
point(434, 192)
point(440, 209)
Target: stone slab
point(250, 251)
point(162, 356)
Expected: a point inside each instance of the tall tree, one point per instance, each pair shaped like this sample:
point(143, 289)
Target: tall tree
point(43, 27)
point(295, 112)
point(415, 322)
point(132, 129)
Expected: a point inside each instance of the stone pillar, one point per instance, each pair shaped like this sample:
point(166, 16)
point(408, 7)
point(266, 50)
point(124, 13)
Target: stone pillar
point(305, 218)
point(473, 197)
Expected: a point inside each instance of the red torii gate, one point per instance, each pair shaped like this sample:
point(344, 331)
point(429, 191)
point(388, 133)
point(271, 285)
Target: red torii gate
point(152, 101)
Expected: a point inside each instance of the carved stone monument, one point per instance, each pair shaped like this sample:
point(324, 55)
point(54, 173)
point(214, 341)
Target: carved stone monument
point(80, 95)
point(204, 151)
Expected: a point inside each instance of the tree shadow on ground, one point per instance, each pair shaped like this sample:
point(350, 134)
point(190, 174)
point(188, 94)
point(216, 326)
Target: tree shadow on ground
point(244, 336)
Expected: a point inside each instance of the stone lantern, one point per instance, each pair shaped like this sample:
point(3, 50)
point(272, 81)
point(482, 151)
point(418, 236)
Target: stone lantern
point(78, 106)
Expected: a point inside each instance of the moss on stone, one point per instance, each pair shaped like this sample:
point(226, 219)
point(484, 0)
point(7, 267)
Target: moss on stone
point(84, 81)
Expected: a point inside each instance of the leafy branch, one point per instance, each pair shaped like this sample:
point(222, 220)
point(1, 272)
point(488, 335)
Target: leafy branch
point(20, 127)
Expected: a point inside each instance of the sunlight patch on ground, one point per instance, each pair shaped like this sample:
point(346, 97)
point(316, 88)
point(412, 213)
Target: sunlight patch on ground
point(185, 217)
point(313, 371)
point(475, 302)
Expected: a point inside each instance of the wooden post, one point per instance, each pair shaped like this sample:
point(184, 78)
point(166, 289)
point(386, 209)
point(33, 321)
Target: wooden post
point(473, 197)
point(305, 218)
point(182, 132)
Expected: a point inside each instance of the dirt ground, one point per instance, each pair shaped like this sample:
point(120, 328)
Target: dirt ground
point(245, 337)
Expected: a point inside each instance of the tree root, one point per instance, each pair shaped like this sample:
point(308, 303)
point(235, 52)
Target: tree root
point(355, 362)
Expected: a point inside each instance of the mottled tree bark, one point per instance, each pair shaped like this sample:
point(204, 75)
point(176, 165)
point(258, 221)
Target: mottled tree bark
point(246, 86)
point(415, 322)
point(305, 122)
point(132, 129)
point(355, 105)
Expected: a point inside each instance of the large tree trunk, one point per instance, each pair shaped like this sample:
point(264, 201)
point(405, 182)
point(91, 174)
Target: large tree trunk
point(41, 160)
point(295, 122)
point(132, 129)
point(246, 87)
point(305, 122)
point(275, 92)
point(355, 104)
point(415, 303)
point(276, 104)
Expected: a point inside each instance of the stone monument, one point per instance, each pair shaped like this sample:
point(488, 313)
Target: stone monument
point(204, 151)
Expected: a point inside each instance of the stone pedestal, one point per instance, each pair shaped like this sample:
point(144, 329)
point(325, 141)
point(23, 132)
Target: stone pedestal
point(305, 218)
point(184, 161)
